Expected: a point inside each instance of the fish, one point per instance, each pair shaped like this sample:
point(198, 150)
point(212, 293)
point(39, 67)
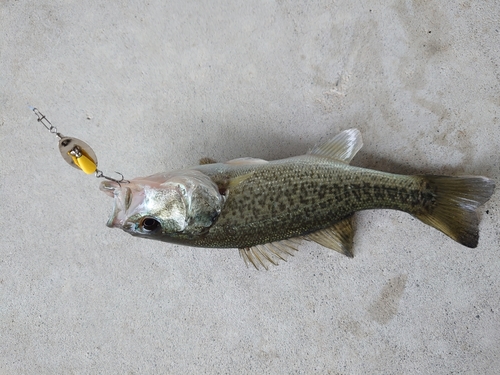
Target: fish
point(267, 208)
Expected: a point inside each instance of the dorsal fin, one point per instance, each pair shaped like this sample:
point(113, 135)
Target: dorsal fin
point(338, 237)
point(269, 253)
point(246, 161)
point(207, 160)
point(342, 147)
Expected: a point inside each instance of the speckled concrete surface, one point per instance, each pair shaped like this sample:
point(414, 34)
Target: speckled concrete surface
point(156, 85)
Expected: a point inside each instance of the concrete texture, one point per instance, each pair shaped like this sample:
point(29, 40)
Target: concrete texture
point(156, 85)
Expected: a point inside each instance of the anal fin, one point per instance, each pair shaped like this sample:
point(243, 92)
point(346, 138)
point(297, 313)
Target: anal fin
point(270, 253)
point(338, 237)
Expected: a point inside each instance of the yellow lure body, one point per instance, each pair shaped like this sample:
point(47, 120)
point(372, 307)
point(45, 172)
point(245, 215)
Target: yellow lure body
point(84, 162)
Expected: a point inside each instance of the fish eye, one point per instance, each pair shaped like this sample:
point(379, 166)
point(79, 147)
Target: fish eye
point(150, 224)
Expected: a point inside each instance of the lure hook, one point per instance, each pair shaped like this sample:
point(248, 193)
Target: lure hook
point(99, 174)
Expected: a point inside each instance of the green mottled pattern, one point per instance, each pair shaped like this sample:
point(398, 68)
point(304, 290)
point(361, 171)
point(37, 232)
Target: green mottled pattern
point(297, 196)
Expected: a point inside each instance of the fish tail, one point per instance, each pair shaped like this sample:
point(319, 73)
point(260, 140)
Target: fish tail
point(450, 204)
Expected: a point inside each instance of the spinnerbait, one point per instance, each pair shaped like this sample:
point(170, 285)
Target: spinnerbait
point(75, 152)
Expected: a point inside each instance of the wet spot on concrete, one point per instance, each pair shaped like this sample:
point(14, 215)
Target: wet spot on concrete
point(385, 307)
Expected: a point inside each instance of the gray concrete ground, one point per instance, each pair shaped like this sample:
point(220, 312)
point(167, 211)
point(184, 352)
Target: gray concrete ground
point(156, 85)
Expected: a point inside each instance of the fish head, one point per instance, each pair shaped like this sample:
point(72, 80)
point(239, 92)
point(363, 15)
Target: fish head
point(168, 206)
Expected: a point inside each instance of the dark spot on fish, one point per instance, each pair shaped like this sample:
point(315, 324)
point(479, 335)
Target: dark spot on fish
point(378, 193)
point(282, 206)
point(355, 191)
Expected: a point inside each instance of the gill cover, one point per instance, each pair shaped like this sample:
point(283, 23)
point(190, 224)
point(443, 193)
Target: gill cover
point(179, 204)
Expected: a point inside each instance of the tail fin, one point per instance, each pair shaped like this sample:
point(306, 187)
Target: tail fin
point(452, 208)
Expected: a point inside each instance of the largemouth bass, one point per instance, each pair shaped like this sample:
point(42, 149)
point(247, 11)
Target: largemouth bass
point(265, 208)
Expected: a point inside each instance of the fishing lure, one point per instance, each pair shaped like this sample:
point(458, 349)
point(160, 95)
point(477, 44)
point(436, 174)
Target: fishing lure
point(75, 152)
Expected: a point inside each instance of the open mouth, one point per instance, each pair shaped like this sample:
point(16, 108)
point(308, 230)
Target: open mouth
point(112, 221)
point(122, 197)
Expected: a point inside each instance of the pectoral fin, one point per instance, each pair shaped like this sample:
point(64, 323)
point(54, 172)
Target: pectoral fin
point(234, 182)
point(269, 253)
point(338, 237)
point(226, 185)
point(342, 147)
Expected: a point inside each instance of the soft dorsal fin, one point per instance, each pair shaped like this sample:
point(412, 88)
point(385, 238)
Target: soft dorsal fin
point(246, 161)
point(269, 253)
point(338, 237)
point(342, 147)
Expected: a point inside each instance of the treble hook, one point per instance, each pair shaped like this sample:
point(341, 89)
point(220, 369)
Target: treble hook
point(99, 174)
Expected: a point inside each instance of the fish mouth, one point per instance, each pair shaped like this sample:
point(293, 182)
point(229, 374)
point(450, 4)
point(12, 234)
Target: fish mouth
point(122, 197)
point(112, 220)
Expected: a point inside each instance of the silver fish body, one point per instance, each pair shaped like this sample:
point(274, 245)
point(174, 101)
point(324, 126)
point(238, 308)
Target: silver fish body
point(265, 208)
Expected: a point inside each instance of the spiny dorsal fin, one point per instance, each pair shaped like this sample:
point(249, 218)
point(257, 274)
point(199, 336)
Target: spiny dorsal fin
point(342, 147)
point(338, 237)
point(246, 161)
point(269, 253)
point(206, 160)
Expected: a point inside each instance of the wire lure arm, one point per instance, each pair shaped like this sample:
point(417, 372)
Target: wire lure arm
point(75, 152)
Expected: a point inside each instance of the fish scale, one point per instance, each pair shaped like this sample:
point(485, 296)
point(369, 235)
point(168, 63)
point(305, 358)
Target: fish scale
point(307, 198)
